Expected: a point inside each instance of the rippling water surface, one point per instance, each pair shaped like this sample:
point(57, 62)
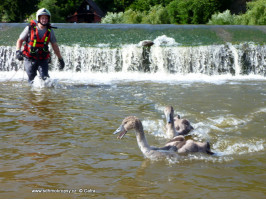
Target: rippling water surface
point(114, 35)
point(58, 139)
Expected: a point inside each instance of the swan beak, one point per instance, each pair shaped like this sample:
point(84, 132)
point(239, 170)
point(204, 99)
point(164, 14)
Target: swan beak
point(122, 132)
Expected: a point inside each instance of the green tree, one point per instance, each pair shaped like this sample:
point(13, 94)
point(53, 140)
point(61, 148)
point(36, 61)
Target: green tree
point(156, 15)
point(17, 10)
point(203, 9)
point(113, 18)
point(68, 7)
point(146, 5)
point(133, 17)
point(121, 5)
point(256, 13)
point(173, 12)
point(192, 11)
point(224, 18)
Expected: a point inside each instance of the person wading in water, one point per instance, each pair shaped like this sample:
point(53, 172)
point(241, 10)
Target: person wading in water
point(37, 36)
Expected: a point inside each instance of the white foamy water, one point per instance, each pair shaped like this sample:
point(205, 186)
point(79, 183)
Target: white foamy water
point(154, 127)
point(165, 56)
point(165, 41)
point(112, 77)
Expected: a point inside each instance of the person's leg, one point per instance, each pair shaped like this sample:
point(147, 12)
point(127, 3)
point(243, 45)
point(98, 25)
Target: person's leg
point(43, 69)
point(31, 69)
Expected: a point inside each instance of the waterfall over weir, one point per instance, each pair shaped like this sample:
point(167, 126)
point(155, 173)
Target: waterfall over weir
point(163, 56)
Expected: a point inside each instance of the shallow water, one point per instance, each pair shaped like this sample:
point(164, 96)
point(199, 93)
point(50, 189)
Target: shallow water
point(57, 142)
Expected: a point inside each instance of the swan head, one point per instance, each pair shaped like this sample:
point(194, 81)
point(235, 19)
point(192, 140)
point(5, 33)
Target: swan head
point(169, 114)
point(182, 126)
point(130, 122)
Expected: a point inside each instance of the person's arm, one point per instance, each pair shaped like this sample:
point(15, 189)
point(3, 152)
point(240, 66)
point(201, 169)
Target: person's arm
point(58, 54)
point(56, 50)
point(19, 44)
point(22, 37)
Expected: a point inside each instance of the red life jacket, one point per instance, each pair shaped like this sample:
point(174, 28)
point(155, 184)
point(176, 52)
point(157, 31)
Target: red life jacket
point(36, 47)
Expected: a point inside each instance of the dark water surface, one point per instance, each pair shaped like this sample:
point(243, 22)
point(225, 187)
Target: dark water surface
point(57, 141)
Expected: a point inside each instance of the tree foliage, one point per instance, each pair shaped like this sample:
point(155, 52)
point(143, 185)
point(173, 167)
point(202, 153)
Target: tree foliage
point(113, 18)
point(16, 10)
point(140, 11)
point(145, 5)
point(156, 15)
point(255, 15)
point(224, 18)
point(192, 11)
point(21, 10)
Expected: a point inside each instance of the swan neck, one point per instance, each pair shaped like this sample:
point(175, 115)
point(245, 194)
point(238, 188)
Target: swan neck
point(171, 132)
point(142, 142)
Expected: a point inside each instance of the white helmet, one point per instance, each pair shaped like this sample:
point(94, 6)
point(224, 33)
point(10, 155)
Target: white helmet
point(43, 11)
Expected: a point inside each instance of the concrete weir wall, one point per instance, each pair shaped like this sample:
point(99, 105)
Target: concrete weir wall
point(246, 58)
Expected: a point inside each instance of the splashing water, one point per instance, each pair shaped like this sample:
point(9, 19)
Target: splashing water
point(38, 83)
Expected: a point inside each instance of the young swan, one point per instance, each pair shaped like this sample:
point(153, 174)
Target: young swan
point(152, 153)
point(189, 146)
point(182, 126)
point(182, 145)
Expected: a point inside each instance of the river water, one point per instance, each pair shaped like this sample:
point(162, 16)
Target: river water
point(57, 137)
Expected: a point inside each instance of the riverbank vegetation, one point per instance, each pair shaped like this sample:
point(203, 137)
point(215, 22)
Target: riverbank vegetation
point(255, 15)
point(190, 12)
point(143, 11)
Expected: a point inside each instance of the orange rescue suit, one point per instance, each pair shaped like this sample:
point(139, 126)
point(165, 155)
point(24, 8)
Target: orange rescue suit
point(37, 48)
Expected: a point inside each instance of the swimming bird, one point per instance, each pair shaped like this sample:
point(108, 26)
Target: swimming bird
point(182, 126)
point(188, 146)
point(153, 153)
point(179, 141)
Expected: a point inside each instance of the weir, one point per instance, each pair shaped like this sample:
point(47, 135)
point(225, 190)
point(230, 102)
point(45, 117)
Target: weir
point(246, 58)
point(177, 49)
